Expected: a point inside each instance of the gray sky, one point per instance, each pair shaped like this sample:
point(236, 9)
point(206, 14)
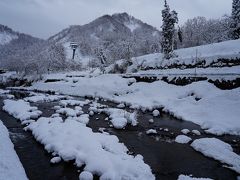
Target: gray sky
point(43, 18)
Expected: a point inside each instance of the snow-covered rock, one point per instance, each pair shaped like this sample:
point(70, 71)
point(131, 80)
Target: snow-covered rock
point(151, 131)
point(182, 139)
point(156, 113)
point(218, 150)
point(85, 175)
point(119, 122)
point(151, 121)
point(91, 113)
point(120, 118)
point(185, 131)
point(196, 132)
point(166, 130)
point(55, 160)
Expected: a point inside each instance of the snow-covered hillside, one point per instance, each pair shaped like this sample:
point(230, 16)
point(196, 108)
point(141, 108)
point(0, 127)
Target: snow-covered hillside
point(213, 55)
point(5, 38)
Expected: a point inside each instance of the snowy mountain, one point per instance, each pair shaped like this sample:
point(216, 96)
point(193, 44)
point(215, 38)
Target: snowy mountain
point(116, 36)
point(9, 36)
point(119, 36)
point(13, 46)
point(6, 35)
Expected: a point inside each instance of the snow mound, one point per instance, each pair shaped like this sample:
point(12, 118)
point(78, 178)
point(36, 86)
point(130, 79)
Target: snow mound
point(10, 165)
point(218, 150)
point(21, 110)
point(100, 153)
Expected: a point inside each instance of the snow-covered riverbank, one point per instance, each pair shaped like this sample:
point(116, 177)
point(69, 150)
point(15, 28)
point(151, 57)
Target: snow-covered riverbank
point(10, 165)
point(200, 102)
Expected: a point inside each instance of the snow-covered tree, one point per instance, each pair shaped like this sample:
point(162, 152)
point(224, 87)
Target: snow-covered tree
point(101, 56)
point(235, 25)
point(168, 30)
point(200, 31)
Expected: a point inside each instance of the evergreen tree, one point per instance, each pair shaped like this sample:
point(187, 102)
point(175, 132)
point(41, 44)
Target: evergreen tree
point(168, 30)
point(235, 25)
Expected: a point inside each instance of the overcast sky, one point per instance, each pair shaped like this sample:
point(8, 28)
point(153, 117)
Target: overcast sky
point(43, 18)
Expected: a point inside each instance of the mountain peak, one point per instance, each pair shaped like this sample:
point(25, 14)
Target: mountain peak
point(124, 14)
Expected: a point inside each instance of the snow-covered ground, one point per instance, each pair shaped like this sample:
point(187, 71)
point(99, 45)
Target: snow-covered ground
point(218, 150)
point(188, 56)
point(216, 111)
point(10, 165)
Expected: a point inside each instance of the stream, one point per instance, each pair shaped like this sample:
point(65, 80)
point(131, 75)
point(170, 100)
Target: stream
point(166, 158)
